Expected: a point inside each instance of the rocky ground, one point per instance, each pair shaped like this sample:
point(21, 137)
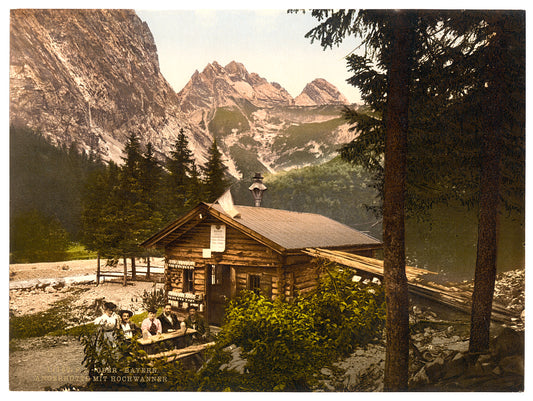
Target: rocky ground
point(35, 287)
point(439, 360)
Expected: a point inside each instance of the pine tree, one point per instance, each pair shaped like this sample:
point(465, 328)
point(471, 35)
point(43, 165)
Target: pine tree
point(467, 109)
point(102, 212)
point(180, 167)
point(195, 189)
point(151, 189)
point(389, 36)
point(214, 172)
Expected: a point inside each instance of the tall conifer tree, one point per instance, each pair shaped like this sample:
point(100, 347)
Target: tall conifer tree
point(178, 181)
point(214, 173)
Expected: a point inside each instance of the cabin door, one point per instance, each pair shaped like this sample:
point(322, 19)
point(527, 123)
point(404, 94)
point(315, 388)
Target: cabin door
point(219, 293)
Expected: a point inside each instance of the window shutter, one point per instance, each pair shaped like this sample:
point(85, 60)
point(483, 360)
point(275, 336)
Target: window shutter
point(266, 285)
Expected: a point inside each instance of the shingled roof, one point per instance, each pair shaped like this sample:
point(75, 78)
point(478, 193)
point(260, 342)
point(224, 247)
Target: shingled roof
point(284, 229)
point(296, 230)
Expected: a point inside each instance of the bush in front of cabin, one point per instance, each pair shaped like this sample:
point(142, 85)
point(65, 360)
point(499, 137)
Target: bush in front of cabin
point(154, 299)
point(286, 345)
point(121, 365)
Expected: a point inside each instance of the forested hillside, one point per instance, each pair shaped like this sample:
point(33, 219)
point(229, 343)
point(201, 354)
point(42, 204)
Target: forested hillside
point(47, 178)
point(335, 189)
point(441, 239)
point(46, 186)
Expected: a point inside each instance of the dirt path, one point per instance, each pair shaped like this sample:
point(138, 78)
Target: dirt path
point(41, 362)
point(46, 362)
point(28, 271)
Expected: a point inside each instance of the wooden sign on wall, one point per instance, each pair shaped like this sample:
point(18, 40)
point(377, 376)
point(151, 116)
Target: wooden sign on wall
point(218, 238)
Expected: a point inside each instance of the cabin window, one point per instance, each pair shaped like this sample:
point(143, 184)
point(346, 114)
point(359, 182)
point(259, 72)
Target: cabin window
point(188, 280)
point(254, 283)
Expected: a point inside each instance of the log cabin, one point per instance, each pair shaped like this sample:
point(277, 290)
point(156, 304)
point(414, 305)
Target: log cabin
point(214, 251)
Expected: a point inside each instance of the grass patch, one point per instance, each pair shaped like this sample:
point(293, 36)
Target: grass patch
point(53, 320)
point(39, 324)
point(297, 136)
point(78, 252)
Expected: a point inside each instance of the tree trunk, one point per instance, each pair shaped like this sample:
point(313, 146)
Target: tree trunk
point(125, 280)
point(98, 269)
point(133, 269)
point(148, 267)
point(485, 275)
point(395, 280)
point(487, 242)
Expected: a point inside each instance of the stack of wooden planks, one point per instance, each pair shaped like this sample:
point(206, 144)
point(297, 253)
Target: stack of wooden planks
point(181, 353)
point(419, 281)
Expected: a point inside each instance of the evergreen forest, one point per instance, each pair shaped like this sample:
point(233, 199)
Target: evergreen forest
point(62, 196)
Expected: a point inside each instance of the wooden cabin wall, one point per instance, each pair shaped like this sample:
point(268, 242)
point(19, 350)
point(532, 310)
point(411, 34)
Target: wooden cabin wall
point(288, 275)
point(306, 277)
point(241, 250)
point(174, 279)
point(244, 254)
point(270, 280)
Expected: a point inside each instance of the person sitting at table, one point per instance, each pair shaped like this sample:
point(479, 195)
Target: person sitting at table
point(169, 321)
point(196, 322)
point(151, 326)
point(126, 327)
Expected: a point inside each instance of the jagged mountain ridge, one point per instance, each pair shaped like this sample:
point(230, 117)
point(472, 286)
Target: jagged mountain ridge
point(92, 77)
point(258, 124)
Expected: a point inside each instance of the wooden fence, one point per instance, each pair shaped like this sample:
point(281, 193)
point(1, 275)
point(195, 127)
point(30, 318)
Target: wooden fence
point(142, 269)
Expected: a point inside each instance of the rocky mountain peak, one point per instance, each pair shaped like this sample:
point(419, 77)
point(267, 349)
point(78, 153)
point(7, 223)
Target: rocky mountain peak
point(91, 77)
point(218, 86)
point(320, 92)
point(236, 69)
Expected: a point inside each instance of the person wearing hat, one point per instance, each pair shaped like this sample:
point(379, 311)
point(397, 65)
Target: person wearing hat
point(108, 322)
point(151, 325)
point(196, 322)
point(127, 328)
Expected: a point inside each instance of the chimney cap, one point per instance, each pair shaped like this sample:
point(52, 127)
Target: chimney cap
point(257, 188)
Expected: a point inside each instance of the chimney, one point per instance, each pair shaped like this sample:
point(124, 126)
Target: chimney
point(257, 188)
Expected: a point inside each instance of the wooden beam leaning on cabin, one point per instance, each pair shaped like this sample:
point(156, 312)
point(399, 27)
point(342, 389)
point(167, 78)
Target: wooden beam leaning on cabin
point(419, 282)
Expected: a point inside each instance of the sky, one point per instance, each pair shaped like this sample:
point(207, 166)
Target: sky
point(270, 43)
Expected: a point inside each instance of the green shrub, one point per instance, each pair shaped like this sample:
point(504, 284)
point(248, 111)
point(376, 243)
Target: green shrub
point(287, 344)
point(154, 299)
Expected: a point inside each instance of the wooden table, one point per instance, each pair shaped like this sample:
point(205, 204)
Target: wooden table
point(167, 341)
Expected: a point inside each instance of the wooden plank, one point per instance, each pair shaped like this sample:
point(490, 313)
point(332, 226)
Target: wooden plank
point(181, 353)
point(166, 336)
point(418, 282)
